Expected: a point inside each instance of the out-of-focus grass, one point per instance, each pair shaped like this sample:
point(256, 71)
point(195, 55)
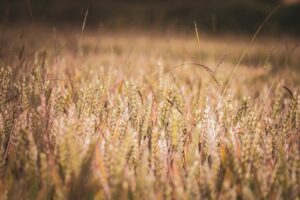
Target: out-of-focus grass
point(137, 47)
point(100, 115)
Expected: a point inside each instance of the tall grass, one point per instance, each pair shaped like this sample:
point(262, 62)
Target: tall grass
point(99, 133)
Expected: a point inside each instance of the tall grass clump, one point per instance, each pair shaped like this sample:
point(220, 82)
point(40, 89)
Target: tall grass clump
point(99, 133)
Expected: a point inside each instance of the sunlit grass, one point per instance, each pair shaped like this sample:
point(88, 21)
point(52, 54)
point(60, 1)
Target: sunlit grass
point(102, 116)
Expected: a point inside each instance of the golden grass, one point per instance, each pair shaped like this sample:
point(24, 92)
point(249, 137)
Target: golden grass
point(102, 116)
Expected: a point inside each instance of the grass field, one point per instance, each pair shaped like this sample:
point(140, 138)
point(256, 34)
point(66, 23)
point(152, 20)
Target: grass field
point(101, 114)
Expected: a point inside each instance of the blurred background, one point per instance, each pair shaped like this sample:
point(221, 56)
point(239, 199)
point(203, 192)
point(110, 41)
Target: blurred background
point(214, 16)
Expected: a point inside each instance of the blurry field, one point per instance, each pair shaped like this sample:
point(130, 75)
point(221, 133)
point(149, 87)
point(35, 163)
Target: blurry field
point(132, 114)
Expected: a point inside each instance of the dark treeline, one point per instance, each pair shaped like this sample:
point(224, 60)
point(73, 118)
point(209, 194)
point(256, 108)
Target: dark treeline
point(213, 16)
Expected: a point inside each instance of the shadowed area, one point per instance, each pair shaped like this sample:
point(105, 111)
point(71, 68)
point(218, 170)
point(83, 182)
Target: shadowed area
point(212, 16)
